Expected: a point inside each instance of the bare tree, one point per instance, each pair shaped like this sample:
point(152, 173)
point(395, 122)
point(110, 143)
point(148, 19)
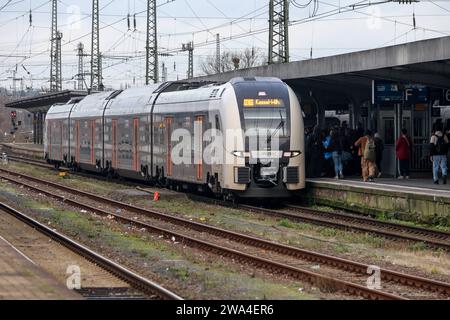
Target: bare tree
point(252, 57)
point(229, 60)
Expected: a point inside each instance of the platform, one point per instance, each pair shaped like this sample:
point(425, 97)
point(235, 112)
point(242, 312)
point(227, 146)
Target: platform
point(21, 279)
point(29, 150)
point(416, 200)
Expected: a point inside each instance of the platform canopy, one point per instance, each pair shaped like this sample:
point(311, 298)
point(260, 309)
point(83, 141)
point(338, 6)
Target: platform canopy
point(43, 102)
point(336, 78)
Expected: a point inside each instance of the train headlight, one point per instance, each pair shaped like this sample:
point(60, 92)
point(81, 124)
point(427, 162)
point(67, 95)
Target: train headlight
point(241, 154)
point(291, 154)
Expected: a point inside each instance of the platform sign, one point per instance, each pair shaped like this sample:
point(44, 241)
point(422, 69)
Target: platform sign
point(415, 93)
point(436, 112)
point(386, 92)
point(445, 101)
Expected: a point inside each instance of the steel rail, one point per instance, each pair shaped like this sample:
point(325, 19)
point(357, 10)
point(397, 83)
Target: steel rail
point(410, 280)
point(436, 234)
point(402, 232)
point(134, 280)
point(387, 275)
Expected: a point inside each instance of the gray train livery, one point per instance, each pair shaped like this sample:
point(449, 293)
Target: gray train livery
point(243, 138)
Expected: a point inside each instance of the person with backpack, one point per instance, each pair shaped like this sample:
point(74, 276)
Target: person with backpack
point(379, 147)
point(438, 154)
point(336, 147)
point(403, 149)
point(367, 151)
point(328, 155)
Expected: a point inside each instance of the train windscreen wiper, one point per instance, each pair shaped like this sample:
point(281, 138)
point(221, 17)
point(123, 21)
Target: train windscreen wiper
point(280, 126)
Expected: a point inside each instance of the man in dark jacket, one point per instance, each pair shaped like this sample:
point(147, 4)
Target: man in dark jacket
point(438, 151)
point(315, 153)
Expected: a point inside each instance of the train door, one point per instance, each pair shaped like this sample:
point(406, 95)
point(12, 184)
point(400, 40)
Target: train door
point(65, 138)
point(216, 168)
point(50, 138)
point(61, 135)
point(198, 146)
point(92, 138)
point(77, 139)
point(169, 128)
point(136, 160)
point(114, 144)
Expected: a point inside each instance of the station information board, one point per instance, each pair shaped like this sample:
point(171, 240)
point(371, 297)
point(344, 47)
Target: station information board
point(386, 91)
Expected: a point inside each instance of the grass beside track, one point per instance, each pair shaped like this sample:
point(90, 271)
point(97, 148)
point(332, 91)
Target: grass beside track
point(363, 247)
point(197, 276)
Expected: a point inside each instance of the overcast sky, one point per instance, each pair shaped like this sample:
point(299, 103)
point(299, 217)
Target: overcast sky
point(240, 23)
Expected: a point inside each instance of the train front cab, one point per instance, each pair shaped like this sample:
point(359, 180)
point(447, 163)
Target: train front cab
point(56, 134)
point(271, 106)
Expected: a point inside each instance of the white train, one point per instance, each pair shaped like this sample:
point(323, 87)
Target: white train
point(244, 138)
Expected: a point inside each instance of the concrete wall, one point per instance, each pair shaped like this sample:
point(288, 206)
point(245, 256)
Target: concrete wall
point(427, 209)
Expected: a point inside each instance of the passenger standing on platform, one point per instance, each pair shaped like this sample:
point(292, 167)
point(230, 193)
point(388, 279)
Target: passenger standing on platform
point(314, 150)
point(368, 155)
point(347, 157)
point(328, 156)
point(355, 162)
point(438, 151)
point(308, 132)
point(379, 147)
point(336, 148)
point(403, 150)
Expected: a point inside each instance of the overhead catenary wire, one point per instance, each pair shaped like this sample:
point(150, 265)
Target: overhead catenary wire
point(235, 37)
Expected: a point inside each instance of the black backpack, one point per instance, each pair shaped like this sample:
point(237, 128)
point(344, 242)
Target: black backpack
point(440, 146)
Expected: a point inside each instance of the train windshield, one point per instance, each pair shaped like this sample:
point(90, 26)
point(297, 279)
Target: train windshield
point(264, 108)
point(268, 121)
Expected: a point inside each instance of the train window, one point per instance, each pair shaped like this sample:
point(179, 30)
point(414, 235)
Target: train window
point(187, 122)
point(217, 123)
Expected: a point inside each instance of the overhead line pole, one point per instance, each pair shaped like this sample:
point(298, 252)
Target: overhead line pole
point(151, 61)
point(218, 56)
point(96, 64)
point(189, 47)
point(80, 77)
point(55, 51)
point(278, 31)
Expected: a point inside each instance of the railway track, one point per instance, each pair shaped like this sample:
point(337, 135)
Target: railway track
point(258, 252)
point(34, 162)
point(351, 222)
point(433, 238)
point(143, 288)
